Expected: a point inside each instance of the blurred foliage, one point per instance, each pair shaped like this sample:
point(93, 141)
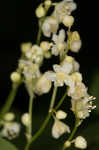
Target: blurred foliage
point(5, 145)
point(94, 88)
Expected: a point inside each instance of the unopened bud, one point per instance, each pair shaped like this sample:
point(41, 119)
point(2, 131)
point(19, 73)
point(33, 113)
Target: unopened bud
point(77, 76)
point(61, 114)
point(75, 45)
point(15, 77)
point(47, 4)
point(45, 45)
point(40, 11)
point(67, 144)
point(68, 21)
point(26, 119)
point(9, 116)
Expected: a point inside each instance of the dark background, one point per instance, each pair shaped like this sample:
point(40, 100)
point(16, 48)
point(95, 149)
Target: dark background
point(18, 24)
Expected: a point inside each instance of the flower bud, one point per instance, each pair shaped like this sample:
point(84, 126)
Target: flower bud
point(68, 59)
point(80, 142)
point(43, 85)
point(68, 21)
point(47, 4)
point(61, 114)
point(26, 119)
point(9, 116)
point(75, 45)
point(40, 11)
point(75, 36)
point(47, 55)
point(45, 46)
point(67, 144)
point(25, 47)
point(15, 77)
point(77, 76)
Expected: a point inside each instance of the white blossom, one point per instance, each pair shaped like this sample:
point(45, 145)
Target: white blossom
point(83, 106)
point(59, 44)
point(60, 73)
point(10, 130)
point(63, 8)
point(59, 128)
point(49, 26)
point(80, 142)
point(43, 85)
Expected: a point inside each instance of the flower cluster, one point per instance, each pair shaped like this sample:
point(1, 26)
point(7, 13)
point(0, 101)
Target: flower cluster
point(66, 73)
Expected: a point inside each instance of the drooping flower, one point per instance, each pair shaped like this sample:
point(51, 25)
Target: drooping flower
point(80, 142)
point(59, 43)
point(59, 128)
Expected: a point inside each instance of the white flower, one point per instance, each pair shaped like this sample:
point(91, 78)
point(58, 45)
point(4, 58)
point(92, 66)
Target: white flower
point(59, 128)
point(35, 54)
point(43, 85)
point(80, 142)
point(61, 114)
point(63, 8)
point(59, 45)
point(29, 69)
point(75, 45)
point(50, 25)
point(71, 60)
point(79, 89)
point(83, 106)
point(10, 130)
point(60, 74)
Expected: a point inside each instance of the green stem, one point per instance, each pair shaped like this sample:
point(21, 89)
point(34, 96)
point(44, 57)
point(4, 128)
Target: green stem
point(10, 99)
point(53, 99)
point(73, 132)
point(61, 101)
point(39, 132)
point(30, 114)
point(39, 33)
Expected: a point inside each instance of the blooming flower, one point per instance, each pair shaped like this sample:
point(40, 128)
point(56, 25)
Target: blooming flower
point(83, 106)
point(60, 74)
point(59, 44)
point(63, 8)
point(49, 26)
point(59, 128)
point(10, 130)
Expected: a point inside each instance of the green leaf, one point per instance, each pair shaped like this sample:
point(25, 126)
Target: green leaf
point(5, 145)
point(94, 88)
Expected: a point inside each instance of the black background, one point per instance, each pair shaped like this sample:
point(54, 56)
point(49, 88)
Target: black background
point(18, 24)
